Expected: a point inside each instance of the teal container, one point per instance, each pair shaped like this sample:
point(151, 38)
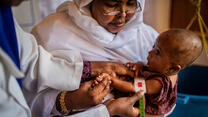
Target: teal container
point(192, 99)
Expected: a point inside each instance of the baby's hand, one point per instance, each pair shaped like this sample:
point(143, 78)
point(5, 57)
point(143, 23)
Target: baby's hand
point(136, 67)
point(100, 78)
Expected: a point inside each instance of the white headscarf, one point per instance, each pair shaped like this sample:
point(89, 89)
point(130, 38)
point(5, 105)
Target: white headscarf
point(83, 3)
point(97, 34)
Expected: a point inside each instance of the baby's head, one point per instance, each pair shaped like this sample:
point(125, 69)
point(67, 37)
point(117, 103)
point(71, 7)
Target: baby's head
point(174, 50)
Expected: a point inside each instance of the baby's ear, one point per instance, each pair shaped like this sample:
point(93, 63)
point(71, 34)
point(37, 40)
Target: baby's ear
point(175, 69)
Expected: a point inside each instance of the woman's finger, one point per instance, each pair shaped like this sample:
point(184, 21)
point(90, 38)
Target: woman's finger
point(97, 89)
point(135, 97)
point(87, 85)
point(135, 112)
point(134, 68)
point(104, 93)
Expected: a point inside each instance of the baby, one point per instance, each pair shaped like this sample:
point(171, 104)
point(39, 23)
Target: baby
point(173, 51)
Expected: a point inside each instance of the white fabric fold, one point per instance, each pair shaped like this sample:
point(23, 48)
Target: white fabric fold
point(10, 65)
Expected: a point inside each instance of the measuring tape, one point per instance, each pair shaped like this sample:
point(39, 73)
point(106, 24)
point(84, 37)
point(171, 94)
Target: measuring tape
point(139, 84)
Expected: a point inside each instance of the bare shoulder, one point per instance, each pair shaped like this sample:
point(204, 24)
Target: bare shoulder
point(153, 86)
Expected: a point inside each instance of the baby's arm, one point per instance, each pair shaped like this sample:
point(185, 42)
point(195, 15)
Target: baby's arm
point(160, 90)
point(122, 85)
point(117, 83)
point(153, 86)
point(163, 98)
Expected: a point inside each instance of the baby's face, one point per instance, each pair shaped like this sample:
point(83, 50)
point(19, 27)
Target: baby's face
point(158, 59)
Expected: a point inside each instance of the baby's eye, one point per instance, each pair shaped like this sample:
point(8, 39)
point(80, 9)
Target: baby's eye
point(157, 52)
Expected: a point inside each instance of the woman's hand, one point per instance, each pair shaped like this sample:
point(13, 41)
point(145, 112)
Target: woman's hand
point(110, 68)
point(118, 83)
point(124, 106)
point(115, 70)
point(88, 95)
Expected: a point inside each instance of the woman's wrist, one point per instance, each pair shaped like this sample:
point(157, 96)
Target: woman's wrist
point(62, 103)
point(110, 107)
point(111, 110)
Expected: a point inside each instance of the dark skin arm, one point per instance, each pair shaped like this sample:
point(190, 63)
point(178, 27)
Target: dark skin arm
point(87, 95)
point(124, 106)
point(152, 86)
point(115, 69)
point(110, 68)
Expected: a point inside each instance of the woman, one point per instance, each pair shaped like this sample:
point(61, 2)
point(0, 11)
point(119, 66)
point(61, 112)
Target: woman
point(101, 30)
point(23, 63)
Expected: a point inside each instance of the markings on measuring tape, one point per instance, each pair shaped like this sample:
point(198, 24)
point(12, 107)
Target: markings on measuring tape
point(141, 107)
point(139, 84)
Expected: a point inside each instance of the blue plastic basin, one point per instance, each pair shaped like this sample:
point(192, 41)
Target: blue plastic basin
point(192, 99)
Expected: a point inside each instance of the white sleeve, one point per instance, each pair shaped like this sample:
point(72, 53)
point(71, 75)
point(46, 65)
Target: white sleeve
point(61, 69)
